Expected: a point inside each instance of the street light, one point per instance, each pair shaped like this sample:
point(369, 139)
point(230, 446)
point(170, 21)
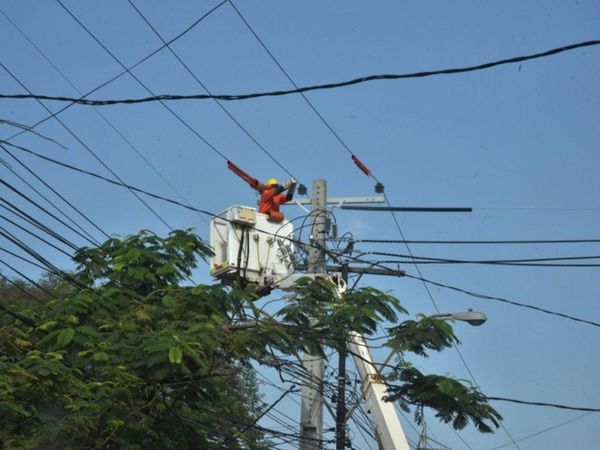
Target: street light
point(474, 318)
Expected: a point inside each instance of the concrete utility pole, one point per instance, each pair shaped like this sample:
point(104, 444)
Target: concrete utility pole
point(387, 427)
point(311, 415)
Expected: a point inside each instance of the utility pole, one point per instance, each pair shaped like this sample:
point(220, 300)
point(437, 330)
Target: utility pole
point(388, 429)
point(311, 415)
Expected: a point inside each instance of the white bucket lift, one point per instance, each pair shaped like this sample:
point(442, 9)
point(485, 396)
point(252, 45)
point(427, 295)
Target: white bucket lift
point(250, 248)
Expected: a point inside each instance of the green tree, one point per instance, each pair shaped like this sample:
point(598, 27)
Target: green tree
point(143, 358)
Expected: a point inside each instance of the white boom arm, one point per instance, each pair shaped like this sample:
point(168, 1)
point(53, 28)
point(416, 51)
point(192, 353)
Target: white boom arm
point(387, 426)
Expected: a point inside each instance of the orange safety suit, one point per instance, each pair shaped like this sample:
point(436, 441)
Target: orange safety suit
point(271, 198)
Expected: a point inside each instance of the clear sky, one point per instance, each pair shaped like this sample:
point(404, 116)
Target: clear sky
point(518, 143)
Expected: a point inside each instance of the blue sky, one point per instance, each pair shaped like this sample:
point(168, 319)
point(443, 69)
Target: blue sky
point(518, 143)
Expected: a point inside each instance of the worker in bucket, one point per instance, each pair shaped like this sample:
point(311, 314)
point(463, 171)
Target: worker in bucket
point(272, 196)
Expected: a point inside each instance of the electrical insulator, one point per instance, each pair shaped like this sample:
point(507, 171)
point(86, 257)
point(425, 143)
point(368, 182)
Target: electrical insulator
point(302, 190)
point(379, 188)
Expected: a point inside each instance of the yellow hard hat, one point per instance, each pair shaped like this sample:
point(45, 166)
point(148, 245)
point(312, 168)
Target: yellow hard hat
point(272, 182)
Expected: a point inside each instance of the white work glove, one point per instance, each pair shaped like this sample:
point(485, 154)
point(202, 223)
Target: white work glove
point(289, 183)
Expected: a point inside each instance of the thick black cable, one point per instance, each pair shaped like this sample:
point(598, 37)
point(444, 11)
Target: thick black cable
point(422, 74)
point(193, 75)
point(88, 148)
point(551, 405)
point(107, 82)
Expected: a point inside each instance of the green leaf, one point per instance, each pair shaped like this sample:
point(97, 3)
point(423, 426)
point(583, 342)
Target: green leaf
point(16, 408)
point(47, 325)
point(64, 337)
point(169, 301)
point(175, 355)
point(100, 356)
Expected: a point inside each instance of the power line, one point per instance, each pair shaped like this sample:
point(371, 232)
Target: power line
point(507, 264)
point(299, 90)
point(550, 405)
point(504, 262)
point(503, 300)
point(529, 436)
point(31, 130)
point(25, 277)
point(478, 242)
point(51, 267)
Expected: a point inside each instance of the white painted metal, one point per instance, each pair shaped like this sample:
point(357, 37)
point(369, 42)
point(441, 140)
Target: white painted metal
point(266, 254)
point(387, 425)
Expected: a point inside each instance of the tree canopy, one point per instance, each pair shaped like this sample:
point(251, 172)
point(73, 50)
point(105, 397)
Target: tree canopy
point(135, 355)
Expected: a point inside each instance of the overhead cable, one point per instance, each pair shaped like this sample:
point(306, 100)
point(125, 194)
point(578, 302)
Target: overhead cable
point(551, 405)
point(299, 90)
point(478, 242)
point(503, 300)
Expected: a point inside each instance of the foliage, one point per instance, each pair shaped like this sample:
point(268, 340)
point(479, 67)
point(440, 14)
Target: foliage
point(452, 400)
point(137, 361)
point(418, 335)
point(313, 307)
point(140, 357)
